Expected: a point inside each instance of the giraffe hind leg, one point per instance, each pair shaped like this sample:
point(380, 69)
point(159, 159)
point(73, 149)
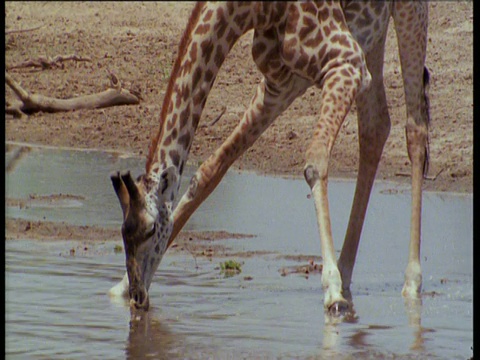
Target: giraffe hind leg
point(411, 22)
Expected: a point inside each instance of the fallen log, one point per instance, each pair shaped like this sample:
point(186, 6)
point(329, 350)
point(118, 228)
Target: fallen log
point(32, 103)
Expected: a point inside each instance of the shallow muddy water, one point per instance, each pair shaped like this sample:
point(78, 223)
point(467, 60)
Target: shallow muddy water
point(57, 305)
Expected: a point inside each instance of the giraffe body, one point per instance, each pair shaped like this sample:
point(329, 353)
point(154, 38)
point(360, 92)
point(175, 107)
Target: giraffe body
point(335, 46)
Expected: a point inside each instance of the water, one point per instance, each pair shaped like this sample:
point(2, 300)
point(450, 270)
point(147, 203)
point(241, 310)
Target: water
point(57, 305)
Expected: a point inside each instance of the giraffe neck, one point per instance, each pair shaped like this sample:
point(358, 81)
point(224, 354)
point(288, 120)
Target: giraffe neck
point(211, 33)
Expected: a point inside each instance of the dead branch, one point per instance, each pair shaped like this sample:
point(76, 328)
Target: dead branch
point(23, 30)
point(32, 103)
point(46, 62)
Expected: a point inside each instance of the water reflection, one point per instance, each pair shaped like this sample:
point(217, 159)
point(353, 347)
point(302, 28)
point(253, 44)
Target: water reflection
point(149, 337)
point(331, 339)
point(413, 308)
point(337, 329)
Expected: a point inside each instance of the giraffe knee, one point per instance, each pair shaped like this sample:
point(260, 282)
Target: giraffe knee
point(417, 144)
point(314, 174)
point(316, 167)
point(311, 175)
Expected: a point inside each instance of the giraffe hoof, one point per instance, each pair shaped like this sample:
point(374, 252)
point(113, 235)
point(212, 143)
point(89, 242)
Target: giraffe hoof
point(339, 308)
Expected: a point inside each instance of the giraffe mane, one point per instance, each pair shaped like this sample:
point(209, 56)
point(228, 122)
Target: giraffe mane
point(182, 50)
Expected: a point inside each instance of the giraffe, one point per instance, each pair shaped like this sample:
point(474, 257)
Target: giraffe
point(337, 47)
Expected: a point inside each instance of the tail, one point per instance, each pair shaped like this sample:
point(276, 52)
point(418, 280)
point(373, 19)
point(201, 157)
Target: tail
point(426, 86)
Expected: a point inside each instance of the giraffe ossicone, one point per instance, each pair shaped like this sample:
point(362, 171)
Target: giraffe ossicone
point(336, 46)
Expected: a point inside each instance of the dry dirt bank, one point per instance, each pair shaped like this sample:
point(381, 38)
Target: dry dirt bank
point(138, 41)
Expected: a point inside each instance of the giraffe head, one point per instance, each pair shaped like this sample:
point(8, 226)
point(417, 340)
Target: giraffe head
point(147, 225)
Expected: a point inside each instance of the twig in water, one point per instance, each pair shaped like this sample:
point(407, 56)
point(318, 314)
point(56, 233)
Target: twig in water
point(193, 255)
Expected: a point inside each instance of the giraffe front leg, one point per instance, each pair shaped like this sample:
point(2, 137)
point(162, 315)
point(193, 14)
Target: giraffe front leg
point(338, 93)
point(268, 102)
point(317, 178)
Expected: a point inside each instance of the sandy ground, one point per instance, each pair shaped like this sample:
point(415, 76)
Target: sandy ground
point(138, 41)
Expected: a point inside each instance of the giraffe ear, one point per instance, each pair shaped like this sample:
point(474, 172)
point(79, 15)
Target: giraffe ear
point(168, 183)
point(121, 191)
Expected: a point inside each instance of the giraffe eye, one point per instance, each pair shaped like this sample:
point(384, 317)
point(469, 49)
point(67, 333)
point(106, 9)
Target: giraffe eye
point(151, 232)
